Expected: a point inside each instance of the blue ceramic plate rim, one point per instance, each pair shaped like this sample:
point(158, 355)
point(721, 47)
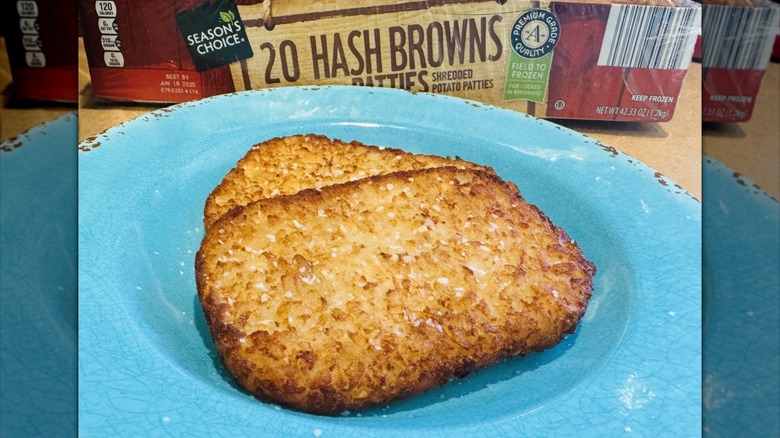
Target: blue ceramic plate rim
point(741, 330)
point(38, 279)
point(646, 379)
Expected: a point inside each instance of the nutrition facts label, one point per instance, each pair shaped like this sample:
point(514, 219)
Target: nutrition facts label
point(109, 34)
point(31, 40)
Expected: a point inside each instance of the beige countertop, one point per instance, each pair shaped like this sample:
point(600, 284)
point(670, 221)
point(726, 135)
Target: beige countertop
point(752, 148)
point(672, 148)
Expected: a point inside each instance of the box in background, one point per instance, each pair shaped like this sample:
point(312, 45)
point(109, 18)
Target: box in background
point(597, 60)
point(41, 40)
point(739, 36)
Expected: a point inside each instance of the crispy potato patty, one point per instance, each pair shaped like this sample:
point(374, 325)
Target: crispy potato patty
point(361, 293)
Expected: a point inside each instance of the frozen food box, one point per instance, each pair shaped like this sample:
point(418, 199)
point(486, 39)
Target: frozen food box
point(597, 60)
point(41, 37)
point(739, 36)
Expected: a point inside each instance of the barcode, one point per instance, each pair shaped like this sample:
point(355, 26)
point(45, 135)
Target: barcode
point(655, 37)
point(738, 37)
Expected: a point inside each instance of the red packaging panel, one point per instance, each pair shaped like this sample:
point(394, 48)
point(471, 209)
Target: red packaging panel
point(735, 56)
point(728, 95)
point(41, 39)
point(153, 85)
point(581, 88)
point(150, 62)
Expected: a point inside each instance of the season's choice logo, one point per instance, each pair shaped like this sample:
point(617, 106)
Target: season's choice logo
point(533, 36)
point(214, 35)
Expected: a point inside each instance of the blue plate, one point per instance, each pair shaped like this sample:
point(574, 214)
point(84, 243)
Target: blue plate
point(741, 306)
point(147, 363)
point(38, 281)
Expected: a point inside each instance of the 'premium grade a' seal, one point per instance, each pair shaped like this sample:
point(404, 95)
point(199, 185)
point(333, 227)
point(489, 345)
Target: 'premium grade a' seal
point(535, 33)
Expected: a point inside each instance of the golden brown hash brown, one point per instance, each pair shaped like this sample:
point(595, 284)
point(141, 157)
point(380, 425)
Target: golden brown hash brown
point(283, 166)
point(366, 292)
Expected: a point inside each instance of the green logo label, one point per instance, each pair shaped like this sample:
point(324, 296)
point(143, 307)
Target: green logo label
point(227, 16)
point(214, 34)
point(534, 35)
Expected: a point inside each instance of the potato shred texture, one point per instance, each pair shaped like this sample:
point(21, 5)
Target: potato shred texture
point(357, 294)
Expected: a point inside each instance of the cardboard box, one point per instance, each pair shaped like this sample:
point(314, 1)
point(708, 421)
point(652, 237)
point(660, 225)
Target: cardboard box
point(596, 60)
point(41, 40)
point(739, 36)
